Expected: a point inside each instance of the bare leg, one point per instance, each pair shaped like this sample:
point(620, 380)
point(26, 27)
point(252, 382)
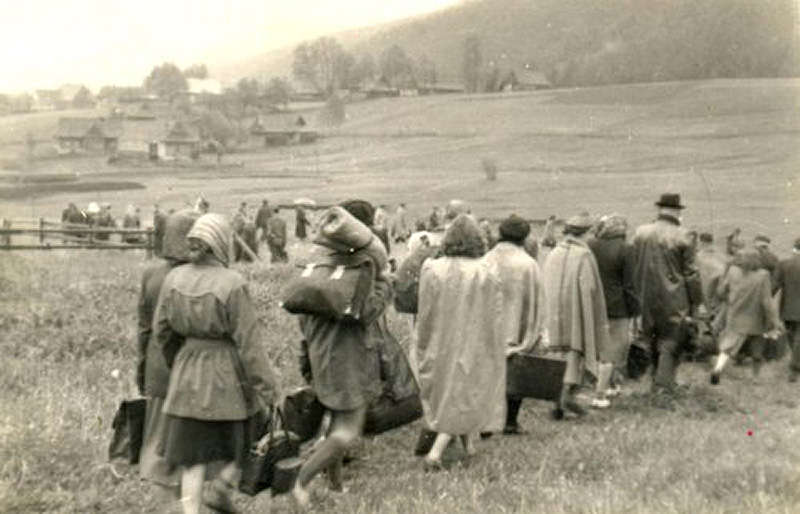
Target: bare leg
point(192, 488)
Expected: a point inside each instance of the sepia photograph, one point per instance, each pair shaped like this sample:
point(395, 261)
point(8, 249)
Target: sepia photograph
point(400, 256)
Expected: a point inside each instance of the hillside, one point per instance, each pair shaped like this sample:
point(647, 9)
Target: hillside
point(590, 42)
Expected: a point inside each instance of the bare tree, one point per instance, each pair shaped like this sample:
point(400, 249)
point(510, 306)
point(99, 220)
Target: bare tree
point(472, 63)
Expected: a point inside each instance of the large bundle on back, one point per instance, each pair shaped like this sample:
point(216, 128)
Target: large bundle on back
point(336, 283)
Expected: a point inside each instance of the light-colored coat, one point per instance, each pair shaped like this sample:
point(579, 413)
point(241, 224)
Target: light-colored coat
point(523, 296)
point(577, 320)
point(459, 354)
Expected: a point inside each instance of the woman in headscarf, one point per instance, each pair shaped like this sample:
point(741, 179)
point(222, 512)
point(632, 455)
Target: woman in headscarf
point(343, 357)
point(459, 353)
point(615, 262)
point(152, 374)
point(577, 321)
point(221, 381)
point(750, 313)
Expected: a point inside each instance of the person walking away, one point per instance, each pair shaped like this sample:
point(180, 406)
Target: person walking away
point(221, 382)
point(131, 221)
point(615, 263)
point(787, 282)
point(577, 323)
point(459, 352)
point(276, 237)
point(343, 358)
point(262, 217)
point(300, 223)
point(750, 314)
point(668, 286)
point(401, 226)
point(152, 376)
point(105, 220)
point(521, 286)
point(159, 219)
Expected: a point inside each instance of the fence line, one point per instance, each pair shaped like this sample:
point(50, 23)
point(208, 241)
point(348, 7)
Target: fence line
point(72, 236)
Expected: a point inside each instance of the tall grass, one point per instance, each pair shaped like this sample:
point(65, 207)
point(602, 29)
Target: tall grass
point(68, 321)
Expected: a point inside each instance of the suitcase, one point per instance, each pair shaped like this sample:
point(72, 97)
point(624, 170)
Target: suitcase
point(529, 376)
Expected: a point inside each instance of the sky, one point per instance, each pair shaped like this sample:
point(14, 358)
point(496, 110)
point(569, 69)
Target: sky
point(46, 43)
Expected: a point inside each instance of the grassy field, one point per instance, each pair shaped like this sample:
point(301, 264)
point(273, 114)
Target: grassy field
point(68, 321)
point(68, 318)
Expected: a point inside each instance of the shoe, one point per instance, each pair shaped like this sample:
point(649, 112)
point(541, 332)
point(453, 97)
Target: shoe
point(714, 380)
point(513, 430)
point(557, 414)
point(218, 498)
point(613, 392)
point(486, 435)
point(600, 403)
point(574, 407)
point(432, 466)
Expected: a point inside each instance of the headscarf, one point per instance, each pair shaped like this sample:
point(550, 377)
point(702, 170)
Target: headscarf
point(611, 226)
point(175, 242)
point(463, 238)
point(514, 229)
point(215, 231)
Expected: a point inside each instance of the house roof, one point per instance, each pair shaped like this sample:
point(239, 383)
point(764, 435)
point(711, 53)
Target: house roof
point(284, 122)
point(76, 127)
point(143, 130)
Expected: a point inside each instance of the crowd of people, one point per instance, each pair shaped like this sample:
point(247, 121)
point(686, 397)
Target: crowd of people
point(475, 297)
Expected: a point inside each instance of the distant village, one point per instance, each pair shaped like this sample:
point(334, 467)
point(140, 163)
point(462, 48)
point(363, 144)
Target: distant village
point(179, 115)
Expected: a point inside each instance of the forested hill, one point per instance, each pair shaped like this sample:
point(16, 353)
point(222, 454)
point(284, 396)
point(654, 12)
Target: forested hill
point(587, 42)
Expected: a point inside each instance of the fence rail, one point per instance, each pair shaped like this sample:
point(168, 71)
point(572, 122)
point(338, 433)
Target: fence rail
point(53, 235)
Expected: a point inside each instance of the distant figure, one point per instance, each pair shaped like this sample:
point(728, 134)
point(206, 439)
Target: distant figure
point(262, 217)
point(400, 227)
point(201, 205)
point(435, 219)
point(787, 281)
point(711, 267)
point(275, 236)
point(301, 223)
point(105, 220)
point(735, 242)
point(549, 236)
point(159, 220)
point(131, 221)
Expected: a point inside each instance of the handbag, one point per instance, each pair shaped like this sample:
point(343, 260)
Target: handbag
point(303, 413)
point(258, 470)
point(333, 291)
point(530, 376)
point(128, 427)
point(387, 414)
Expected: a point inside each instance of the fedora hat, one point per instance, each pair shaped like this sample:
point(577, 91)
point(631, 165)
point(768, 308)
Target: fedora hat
point(670, 200)
point(582, 220)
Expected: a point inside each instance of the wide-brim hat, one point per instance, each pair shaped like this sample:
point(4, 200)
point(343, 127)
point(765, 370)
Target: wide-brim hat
point(671, 201)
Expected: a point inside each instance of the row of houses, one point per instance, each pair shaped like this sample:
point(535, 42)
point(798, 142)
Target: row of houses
point(154, 138)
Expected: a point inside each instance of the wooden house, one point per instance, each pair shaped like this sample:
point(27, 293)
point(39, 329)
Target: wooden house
point(283, 129)
point(182, 142)
point(86, 136)
point(524, 79)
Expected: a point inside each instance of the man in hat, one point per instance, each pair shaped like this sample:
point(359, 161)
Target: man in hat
point(668, 285)
point(523, 299)
point(577, 321)
point(262, 217)
point(787, 281)
point(275, 235)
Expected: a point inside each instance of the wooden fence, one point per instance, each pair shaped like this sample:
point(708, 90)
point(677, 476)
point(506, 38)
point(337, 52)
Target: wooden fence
point(43, 234)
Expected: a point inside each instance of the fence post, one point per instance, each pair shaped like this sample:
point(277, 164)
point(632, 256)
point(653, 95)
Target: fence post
point(41, 234)
point(150, 242)
point(6, 237)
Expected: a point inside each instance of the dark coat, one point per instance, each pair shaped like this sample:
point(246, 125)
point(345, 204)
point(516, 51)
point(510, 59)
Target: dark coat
point(787, 280)
point(615, 261)
point(152, 376)
point(262, 216)
point(666, 278)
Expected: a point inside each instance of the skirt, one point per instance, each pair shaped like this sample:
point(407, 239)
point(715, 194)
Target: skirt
point(188, 442)
point(152, 466)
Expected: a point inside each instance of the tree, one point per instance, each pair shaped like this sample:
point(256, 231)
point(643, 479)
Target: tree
point(83, 99)
point(365, 69)
point(323, 63)
point(247, 93)
point(472, 62)
point(395, 65)
point(217, 128)
point(426, 71)
point(166, 81)
point(196, 71)
point(278, 91)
